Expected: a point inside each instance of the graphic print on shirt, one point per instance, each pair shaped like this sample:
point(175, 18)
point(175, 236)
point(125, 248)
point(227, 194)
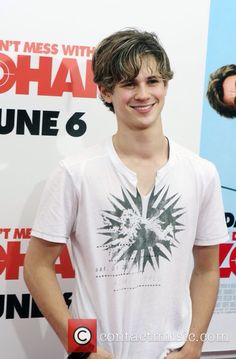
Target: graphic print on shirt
point(138, 236)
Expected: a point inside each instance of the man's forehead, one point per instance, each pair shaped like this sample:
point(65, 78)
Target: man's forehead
point(150, 65)
point(229, 90)
point(146, 66)
point(230, 82)
point(149, 68)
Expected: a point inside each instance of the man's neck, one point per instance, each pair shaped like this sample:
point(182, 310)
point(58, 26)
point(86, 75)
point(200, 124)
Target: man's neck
point(142, 145)
point(145, 152)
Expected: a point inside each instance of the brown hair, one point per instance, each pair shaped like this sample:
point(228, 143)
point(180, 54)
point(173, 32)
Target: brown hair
point(215, 93)
point(119, 58)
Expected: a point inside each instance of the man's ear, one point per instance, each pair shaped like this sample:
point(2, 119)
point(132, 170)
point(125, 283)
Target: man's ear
point(105, 94)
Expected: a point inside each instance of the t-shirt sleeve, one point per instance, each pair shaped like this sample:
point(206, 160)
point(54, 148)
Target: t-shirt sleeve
point(211, 227)
point(57, 209)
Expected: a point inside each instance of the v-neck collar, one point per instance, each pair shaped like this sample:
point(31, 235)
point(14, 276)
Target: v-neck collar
point(127, 172)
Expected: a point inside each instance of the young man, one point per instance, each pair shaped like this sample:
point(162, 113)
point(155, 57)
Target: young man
point(221, 92)
point(136, 208)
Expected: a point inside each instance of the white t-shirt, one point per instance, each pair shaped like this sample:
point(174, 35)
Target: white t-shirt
point(132, 254)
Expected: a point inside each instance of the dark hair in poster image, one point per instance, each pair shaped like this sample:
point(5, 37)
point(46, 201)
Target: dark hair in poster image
point(221, 92)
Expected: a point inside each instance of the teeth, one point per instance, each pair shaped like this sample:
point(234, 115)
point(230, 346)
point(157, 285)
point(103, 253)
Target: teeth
point(142, 107)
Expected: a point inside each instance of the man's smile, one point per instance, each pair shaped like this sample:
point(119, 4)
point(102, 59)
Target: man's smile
point(143, 108)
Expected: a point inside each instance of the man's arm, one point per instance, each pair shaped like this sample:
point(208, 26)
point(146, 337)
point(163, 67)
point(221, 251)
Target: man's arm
point(40, 277)
point(203, 288)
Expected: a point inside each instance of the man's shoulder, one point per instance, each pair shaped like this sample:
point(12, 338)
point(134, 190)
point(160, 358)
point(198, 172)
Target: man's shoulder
point(197, 162)
point(85, 155)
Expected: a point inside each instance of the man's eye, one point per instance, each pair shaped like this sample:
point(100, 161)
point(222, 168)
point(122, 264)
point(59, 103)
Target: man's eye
point(154, 81)
point(128, 84)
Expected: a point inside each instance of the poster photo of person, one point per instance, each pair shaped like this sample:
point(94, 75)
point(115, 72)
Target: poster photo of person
point(221, 91)
point(218, 133)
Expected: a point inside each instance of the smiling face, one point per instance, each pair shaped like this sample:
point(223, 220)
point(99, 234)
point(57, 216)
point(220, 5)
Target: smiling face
point(229, 89)
point(138, 102)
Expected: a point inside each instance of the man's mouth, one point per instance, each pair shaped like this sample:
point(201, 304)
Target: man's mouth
point(143, 108)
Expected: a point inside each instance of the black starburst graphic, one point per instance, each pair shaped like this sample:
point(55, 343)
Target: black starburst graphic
point(137, 238)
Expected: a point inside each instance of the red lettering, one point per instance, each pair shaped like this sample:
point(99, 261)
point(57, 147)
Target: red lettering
point(54, 49)
point(5, 232)
point(5, 45)
point(11, 260)
point(22, 233)
point(225, 249)
point(40, 48)
point(25, 74)
point(75, 86)
point(70, 50)
point(90, 86)
point(75, 50)
point(33, 47)
point(2, 259)
point(233, 236)
point(16, 45)
point(232, 261)
point(7, 73)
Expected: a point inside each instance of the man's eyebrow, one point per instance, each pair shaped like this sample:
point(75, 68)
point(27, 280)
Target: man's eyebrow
point(156, 77)
point(125, 81)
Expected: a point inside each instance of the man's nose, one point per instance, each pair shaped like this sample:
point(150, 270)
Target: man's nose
point(142, 92)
